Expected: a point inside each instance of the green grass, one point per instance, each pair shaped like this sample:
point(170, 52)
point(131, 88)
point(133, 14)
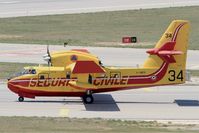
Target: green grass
point(59, 125)
point(9, 69)
point(98, 29)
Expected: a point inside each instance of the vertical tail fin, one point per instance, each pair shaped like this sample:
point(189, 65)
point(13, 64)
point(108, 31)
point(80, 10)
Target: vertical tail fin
point(173, 42)
point(171, 48)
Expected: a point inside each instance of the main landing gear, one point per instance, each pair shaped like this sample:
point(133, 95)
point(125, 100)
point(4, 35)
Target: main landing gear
point(88, 98)
point(21, 99)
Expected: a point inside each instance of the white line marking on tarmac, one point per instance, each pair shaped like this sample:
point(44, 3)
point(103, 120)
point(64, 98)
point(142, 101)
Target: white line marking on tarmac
point(64, 112)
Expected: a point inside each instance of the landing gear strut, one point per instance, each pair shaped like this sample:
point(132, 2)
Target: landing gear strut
point(88, 98)
point(21, 99)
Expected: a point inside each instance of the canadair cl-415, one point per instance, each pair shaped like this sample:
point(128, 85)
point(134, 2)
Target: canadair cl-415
point(78, 73)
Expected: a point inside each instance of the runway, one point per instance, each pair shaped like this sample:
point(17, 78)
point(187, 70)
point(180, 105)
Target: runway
point(26, 53)
point(14, 8)
point(157, 103)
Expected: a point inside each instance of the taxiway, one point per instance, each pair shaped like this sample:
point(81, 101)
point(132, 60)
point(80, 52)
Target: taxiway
point(157, 103)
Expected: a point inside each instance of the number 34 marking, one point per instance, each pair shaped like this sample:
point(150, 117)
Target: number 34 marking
point(174, 76)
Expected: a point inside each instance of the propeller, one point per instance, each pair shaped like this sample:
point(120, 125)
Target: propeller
point(47, 56)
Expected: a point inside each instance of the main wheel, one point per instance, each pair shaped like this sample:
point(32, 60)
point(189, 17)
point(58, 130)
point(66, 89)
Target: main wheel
point(88, 99)
point(21, 99)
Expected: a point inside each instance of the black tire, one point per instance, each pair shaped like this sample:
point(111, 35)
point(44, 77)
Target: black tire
point(88, 99)
point(21, 99)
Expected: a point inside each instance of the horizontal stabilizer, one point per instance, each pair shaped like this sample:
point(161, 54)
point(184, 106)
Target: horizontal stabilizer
point(170, 52)
point(166, 52)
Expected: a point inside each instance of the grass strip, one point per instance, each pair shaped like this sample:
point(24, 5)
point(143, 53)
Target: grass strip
point(98, 29)
point(69, 125)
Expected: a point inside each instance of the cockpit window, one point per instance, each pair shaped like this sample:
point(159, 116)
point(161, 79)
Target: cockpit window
point(33, 71)
point(26, 71)
point(41, 77)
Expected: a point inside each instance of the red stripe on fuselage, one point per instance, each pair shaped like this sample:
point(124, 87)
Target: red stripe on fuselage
point(151, 78)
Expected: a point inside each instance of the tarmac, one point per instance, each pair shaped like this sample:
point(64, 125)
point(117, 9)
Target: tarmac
point(156, 103)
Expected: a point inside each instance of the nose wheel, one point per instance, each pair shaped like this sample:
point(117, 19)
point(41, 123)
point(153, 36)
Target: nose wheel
point(88, 99)
point(21, 99)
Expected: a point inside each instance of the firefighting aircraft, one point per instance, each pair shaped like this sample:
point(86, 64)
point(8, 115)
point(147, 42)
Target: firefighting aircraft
point(79, 73)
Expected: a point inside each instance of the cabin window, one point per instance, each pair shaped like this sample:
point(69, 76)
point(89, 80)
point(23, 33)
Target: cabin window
point(90, 80)
point(42, 77)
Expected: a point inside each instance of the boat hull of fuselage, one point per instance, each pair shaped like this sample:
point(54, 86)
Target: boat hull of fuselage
point(29, 93)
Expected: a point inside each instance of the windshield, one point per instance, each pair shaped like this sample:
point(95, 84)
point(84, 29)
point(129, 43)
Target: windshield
point(23, 72)
point(28, 71)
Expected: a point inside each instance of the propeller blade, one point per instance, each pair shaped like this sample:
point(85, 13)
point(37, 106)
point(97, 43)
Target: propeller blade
point(48, 52)
point(48, 57)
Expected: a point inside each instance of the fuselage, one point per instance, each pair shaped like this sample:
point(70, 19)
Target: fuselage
point(54, 81)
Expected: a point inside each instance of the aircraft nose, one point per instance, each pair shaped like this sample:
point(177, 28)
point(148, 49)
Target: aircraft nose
point(8, 84)
point(11, 87)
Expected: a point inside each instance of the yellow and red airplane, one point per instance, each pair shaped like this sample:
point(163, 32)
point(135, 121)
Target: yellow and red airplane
point(79, 73)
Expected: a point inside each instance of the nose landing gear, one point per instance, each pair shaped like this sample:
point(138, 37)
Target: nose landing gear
point(21, 99)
